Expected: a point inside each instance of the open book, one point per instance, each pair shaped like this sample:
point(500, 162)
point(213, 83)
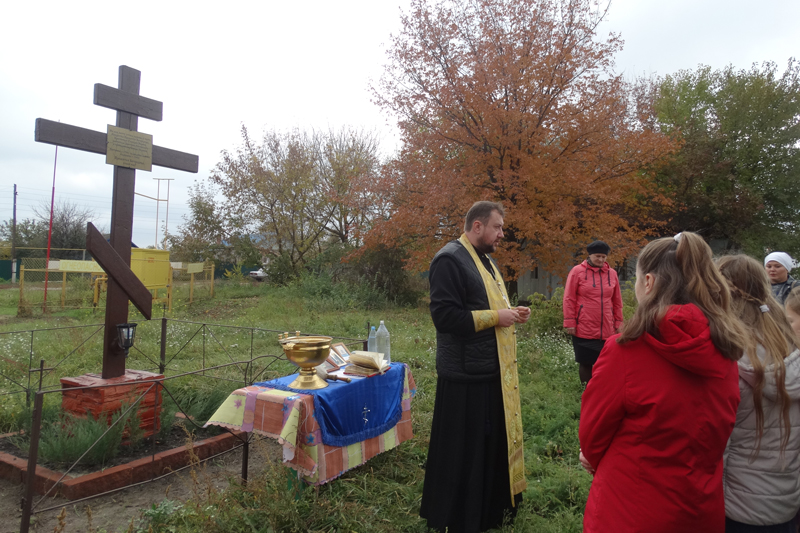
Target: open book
point(366, 364)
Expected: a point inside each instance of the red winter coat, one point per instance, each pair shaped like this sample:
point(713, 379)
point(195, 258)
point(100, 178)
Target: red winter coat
point(655, 419)
point(592, 301)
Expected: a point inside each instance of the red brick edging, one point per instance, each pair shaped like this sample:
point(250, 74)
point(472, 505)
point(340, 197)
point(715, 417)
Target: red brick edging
point(15, 469)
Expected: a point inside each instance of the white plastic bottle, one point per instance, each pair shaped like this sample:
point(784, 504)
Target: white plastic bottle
point(382, 338)
point(372, 341)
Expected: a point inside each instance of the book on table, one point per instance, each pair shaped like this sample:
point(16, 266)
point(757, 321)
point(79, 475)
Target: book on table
point(366, 364)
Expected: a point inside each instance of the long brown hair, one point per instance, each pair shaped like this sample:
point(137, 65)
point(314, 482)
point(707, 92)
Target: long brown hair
point(684, 272)
point(793, 301)
point(751, 290)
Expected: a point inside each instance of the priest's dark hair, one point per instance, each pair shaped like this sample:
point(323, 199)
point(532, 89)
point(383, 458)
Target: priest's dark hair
point(482, 211)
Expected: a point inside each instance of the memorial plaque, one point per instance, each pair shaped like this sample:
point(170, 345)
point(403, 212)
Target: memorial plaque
point(129, 149)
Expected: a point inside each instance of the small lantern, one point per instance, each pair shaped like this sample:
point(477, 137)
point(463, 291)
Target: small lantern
point(126, 334)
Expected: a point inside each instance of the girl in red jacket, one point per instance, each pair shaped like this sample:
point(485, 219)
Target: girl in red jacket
point(657, 414)
point(592, 307)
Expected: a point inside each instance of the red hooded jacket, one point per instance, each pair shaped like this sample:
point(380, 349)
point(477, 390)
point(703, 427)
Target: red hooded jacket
point(655, 419)
point(592, 301)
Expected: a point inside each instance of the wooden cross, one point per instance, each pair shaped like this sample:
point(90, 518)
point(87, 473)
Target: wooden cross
point(115, 258)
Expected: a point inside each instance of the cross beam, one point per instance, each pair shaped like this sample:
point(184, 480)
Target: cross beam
point(116, 268)
point(88, 140)
point(116, 258)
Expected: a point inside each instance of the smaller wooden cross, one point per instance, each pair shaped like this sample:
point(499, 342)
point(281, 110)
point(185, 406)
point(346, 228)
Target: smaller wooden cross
point(127, 150)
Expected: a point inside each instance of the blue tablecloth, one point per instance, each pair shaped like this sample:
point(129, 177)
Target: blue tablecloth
point(352, 412)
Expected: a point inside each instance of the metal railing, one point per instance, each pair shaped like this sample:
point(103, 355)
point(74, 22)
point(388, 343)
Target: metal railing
point(189, 341)
point(244, 372)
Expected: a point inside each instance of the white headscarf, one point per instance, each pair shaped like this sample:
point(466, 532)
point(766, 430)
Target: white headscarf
point(781, 257)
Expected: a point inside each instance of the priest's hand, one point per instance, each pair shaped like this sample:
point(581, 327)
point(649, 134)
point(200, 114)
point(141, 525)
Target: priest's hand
point(524, 314)
point(507, 317)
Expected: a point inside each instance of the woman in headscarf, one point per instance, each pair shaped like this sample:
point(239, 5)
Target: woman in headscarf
point(592, 307)
point(778, 266)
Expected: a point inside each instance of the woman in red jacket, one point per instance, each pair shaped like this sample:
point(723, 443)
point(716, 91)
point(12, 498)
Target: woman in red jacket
point(592, 307)
point(662, 403)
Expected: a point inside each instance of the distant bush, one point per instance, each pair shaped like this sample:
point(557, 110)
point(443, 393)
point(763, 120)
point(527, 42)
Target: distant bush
point(235, 273)
point(321, 292)
point(547, 316)
point(371, 279)
point(280, 271)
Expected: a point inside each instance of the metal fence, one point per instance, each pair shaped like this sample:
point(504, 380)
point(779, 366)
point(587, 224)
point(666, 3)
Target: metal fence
point(42, 289)
point(171, 347)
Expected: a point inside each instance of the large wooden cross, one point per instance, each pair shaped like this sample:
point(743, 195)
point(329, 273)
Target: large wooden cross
point(115, 258)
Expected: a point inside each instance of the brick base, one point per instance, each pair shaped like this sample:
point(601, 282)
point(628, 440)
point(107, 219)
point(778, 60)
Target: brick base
point(104, 401)
point(73, 488)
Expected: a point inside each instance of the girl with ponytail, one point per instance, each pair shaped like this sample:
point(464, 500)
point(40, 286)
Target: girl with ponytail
point(657, 414)
point(761, 464)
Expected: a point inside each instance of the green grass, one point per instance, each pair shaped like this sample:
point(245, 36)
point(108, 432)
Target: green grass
point(384, 494)
point(65, 437)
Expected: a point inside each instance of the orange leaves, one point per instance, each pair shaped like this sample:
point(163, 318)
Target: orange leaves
point(512, 101)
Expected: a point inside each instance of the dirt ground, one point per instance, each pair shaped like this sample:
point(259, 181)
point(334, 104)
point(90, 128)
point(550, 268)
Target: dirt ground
point(113, 513)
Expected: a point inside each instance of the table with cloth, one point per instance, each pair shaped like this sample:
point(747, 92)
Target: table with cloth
point(328, 431)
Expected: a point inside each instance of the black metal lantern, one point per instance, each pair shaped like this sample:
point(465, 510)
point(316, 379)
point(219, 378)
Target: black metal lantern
point(126, 334)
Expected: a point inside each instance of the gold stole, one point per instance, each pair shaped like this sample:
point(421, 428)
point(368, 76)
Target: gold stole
point(507, 352)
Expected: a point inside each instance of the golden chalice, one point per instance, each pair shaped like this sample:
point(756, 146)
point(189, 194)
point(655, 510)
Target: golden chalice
point(306, 353)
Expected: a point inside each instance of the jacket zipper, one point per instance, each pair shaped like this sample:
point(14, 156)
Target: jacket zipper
point(602, 314)
point(577, 317)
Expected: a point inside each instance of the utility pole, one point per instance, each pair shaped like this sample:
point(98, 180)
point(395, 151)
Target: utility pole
point(158, 199)
point(14, 239)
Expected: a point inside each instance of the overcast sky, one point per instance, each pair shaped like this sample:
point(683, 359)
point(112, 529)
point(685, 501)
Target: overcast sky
point(269, 64)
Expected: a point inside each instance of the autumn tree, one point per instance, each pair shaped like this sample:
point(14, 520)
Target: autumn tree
point(737, 174)
point(347, 165)
point(296, 191)
point(514, 101)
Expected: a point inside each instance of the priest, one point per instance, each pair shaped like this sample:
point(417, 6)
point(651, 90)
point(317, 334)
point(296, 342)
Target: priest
point(475, 474)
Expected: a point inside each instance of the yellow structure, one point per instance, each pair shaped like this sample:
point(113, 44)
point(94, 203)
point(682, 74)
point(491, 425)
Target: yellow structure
point(151, 267)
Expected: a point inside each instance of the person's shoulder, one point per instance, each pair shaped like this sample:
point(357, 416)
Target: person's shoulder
point(447, 252)
point(580, 267)
point(612, 345)
point(450, 248)
point(617, 354)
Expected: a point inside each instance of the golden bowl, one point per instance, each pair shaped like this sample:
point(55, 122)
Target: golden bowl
point(306, 353)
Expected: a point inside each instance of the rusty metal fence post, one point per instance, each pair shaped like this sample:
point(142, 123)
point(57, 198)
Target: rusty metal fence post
point(33, 456)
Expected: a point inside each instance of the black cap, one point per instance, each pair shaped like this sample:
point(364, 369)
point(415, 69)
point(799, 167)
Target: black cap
point(598, 247)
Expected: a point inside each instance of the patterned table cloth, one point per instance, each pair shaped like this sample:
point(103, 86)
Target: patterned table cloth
point(289, 418)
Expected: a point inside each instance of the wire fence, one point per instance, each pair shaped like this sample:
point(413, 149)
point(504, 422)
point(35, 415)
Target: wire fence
point(47, 287)
point(184, 352)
